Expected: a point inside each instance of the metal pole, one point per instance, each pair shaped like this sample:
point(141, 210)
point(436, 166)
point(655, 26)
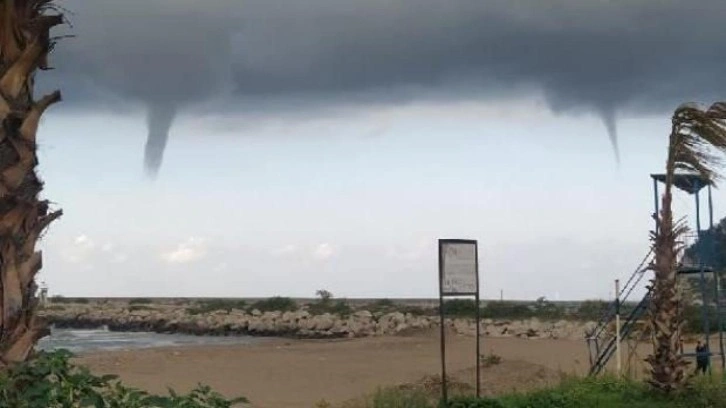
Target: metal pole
point(478, 324)
point(710, 208)
point(717, 281)
point(702, 272)
point(656, 199)
point(618, 362)
point(478, 351)
point(444, 395)
point(719, 320)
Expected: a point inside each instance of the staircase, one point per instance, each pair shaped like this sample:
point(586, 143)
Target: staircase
point(602, 342)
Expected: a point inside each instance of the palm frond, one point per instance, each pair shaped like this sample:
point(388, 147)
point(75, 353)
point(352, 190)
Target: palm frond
point(697, 138)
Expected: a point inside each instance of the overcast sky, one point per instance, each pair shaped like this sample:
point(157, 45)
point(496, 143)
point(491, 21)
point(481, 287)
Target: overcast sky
point(256, 148)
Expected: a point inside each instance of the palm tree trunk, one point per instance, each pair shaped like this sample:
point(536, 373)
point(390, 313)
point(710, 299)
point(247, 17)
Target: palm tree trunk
point(668, 368)
point(24, 45)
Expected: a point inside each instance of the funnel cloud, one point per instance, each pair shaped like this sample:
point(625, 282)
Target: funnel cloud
point(159, 119)
point(253, 57)
point(608, 118)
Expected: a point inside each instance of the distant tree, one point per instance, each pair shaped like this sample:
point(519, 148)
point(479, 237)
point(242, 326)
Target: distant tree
point(711, 247)
point(324, 295)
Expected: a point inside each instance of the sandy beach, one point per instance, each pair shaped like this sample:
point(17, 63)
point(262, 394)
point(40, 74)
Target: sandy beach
point(300, 373)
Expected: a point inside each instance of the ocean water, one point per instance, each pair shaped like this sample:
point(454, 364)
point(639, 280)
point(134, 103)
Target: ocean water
point(85, 341)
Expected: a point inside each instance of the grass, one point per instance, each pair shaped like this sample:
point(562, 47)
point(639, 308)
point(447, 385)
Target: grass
point(602, 392)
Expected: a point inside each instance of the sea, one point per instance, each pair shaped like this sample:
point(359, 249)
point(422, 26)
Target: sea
point(102, 339)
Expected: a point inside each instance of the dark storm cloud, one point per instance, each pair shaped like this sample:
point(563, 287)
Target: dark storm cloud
point(611, 58)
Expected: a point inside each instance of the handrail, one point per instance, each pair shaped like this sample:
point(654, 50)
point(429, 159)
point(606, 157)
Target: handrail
point(627, 327)
point(628, 289)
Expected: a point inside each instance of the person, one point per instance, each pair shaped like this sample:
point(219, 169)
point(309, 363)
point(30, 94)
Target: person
point(702, 358)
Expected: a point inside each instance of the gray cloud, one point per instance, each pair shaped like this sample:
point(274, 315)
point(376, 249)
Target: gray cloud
point(611, 58)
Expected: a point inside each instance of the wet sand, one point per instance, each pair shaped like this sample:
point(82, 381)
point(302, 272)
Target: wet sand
point(285, 373)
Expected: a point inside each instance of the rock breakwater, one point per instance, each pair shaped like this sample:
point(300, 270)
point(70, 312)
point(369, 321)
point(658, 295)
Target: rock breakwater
point(293, 324)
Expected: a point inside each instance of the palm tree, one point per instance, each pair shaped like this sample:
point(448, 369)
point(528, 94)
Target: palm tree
point(24, 46)
point(696, 134)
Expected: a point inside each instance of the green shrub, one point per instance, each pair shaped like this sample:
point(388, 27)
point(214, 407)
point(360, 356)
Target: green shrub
point(393, 398)
point(490, 359)
point(61, 299)
point(338, 307)
point(50, 381)
point(383, 304)
point(274, 304)
point(140, 301)
point(605, 392)
point(473, 402)
point(135, 308)
point(460, 308)
point(215, 305)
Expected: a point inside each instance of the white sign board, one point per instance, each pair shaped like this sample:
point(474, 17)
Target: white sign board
point(458, 267)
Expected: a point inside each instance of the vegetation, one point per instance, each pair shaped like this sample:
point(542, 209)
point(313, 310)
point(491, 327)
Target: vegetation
point(50, 381)
point(338, 307)
point(25, 42)
point(277, 303)
point(601, 392)
point(383, 306)
point(140, 301)
point(541, 309)
point(136, 308)
point(64, 300)
point(694, 131)
point(215, 305)
point(325, 304)
point(490, 359)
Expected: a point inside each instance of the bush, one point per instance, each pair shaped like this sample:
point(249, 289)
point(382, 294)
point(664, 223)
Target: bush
point(339, 307)
point(61, 299)
point(140, 301)
point(393, 398)
point(275, 304)
point(209, 306)
point(600, 392)
point(460, 308)
point(50, 381)
point(591, 309)
point(490, 359)
point(136, 308)
point(473, 402)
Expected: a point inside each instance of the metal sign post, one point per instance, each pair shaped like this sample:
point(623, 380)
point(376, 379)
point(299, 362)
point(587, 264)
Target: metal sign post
point(458, 276)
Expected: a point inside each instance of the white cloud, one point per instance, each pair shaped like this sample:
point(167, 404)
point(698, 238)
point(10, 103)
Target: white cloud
point(80, 250)
point(82, 241)
point(323, 252)
point(286, 250)
point(119, 258)
point(191, 250)
point(422, 249)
